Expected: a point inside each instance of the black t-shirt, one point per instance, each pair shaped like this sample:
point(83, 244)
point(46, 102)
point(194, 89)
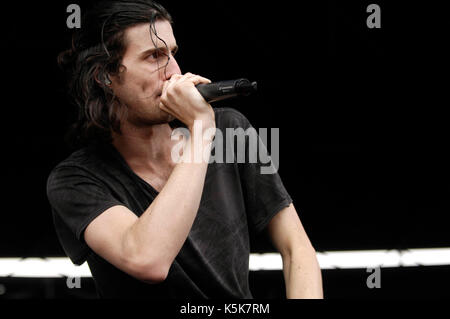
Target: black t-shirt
point(237, 201)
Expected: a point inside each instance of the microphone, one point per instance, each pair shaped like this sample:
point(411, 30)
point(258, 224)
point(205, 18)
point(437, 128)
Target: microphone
point(222, 90)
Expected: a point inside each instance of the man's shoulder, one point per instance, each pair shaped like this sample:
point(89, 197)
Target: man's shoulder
point(78, 158)
point(229, 117)
point(84, 161)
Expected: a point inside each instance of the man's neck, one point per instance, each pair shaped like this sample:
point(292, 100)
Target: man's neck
point(146, 148)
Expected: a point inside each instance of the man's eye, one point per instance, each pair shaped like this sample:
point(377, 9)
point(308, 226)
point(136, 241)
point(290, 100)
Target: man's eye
point(157, 55)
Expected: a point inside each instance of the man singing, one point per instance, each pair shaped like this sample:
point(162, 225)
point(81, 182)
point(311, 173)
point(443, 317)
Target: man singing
point(147, 225)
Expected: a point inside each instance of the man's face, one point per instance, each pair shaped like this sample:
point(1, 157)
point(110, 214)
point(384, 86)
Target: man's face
point(139, 87)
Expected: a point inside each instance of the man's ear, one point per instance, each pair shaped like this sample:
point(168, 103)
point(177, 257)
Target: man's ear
point(107, 80)
point(104, 80)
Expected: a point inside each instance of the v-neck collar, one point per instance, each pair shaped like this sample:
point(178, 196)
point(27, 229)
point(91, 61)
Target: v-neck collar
point(127, 167)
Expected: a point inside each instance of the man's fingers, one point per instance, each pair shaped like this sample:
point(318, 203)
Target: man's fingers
point(200, 80)
point(194, 78)
point(197, 79)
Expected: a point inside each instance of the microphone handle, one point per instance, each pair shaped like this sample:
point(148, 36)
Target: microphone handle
point(222, 90)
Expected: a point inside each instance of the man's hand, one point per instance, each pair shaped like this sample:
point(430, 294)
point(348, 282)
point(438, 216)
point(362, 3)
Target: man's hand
point(182, 100)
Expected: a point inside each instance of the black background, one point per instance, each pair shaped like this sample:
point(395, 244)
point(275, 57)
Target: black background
point(361, 112)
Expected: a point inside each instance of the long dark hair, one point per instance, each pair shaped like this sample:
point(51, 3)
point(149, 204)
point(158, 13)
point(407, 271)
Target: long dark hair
point(96, 53)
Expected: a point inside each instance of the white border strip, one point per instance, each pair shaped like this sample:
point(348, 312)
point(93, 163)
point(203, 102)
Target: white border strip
point(63, 267)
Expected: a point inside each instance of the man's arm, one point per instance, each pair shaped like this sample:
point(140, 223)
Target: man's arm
point(146, 247)
point(300, 266)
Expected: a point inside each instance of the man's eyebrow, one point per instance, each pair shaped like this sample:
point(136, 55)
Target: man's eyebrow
point(152, 50)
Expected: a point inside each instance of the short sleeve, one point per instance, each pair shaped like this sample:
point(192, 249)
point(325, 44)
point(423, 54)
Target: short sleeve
point(76, 198)
point(262, 187)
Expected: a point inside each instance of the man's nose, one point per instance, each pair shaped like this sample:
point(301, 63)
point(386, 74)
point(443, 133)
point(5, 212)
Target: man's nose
point(171, 68)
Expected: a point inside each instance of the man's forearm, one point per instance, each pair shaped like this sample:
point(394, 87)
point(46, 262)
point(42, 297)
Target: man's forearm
point(302, 275)
point(163, 228)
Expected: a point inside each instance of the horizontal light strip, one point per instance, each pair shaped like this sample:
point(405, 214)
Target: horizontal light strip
point(362, 259)
point(63, 267)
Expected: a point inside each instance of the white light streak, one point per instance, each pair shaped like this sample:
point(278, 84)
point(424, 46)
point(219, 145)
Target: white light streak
point(63, 267)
